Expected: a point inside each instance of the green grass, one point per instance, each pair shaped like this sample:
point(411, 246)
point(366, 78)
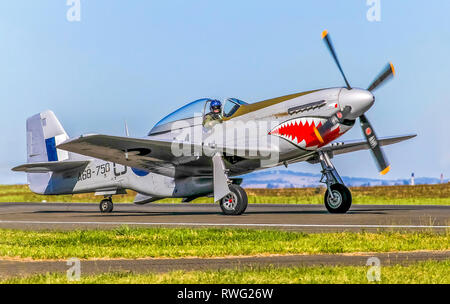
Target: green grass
point(127, 242)
point(420, 194)
point(21, 193)
point(430, 272)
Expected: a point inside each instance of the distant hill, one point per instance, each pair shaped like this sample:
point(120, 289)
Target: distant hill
point(293, 179)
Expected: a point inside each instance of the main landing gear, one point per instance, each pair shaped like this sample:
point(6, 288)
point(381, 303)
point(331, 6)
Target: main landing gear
point(235, 202)
point(106, 205)
point(338, 198)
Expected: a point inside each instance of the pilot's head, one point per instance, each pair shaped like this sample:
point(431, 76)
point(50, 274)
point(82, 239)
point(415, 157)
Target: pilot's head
point(215, 106)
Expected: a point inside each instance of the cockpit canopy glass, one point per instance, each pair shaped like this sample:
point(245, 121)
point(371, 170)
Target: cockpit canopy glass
point(195, 109)
point(191, 110)
point(231, 106)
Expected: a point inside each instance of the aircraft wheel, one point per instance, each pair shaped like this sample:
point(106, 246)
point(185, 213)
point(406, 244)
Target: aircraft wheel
point(234, 203)
point(342, 199)
point(106, 206)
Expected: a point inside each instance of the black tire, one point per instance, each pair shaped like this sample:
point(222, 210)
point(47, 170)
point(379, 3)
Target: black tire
point(234, 203)
point(106, 206)
point(343, 199)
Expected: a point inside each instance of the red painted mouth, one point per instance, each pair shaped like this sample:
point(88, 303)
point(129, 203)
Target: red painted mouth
point(300, 132)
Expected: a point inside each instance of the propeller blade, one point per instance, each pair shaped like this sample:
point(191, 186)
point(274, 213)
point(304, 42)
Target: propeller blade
point(387, 73)
point(327, 39)
point(372, 141)
point(339, 117)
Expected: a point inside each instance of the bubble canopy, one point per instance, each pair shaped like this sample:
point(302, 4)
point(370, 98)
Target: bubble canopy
point(193, 110)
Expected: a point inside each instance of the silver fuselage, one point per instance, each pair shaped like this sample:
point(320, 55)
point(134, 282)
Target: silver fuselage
point(283, 130)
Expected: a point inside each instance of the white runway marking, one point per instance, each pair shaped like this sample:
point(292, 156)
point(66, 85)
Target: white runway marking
point(226, 224)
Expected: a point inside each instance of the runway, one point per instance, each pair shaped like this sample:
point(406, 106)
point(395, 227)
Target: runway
point(307, 218)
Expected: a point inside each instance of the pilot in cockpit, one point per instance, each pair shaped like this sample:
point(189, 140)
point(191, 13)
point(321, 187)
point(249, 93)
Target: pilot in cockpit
point(215, 114)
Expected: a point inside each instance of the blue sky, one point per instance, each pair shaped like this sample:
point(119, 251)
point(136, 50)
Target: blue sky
point(139, 60)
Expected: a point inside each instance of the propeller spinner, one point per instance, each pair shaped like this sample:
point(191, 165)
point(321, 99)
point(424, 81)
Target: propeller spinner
point(356, 102)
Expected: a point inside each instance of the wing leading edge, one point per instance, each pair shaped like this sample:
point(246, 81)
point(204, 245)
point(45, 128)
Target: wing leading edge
point(357, 145)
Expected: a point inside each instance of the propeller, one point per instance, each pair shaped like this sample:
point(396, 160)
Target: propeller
point(386, 74)
point(372, 141)
point(327, 40)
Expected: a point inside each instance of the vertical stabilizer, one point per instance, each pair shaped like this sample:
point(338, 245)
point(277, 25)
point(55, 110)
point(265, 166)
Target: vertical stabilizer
point(44, 133)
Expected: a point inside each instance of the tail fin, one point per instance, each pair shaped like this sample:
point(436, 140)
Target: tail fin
point(44, 133)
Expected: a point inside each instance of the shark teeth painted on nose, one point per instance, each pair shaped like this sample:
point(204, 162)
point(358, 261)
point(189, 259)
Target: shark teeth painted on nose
point(300, 131)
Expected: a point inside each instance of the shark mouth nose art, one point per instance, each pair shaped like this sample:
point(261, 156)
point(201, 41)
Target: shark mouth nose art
point(300, 132)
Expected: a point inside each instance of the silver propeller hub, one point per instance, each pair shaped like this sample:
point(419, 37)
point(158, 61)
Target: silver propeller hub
point(358, 99)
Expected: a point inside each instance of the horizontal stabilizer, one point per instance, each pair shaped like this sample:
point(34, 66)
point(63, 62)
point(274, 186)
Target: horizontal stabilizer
point(54, 166)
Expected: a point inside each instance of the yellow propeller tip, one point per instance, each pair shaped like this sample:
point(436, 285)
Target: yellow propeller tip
point(392, 68)
point(318, 135)
point(324, 34)
point(386, 170)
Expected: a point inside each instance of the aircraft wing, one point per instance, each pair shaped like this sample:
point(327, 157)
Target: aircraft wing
point(147, 154)
point(357, 145)
point(156, 155)
point(54, 166)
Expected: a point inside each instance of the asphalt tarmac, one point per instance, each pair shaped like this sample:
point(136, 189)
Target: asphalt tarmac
point(307, 218)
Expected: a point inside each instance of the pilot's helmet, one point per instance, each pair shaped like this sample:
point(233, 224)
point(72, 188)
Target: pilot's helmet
point(215, 106)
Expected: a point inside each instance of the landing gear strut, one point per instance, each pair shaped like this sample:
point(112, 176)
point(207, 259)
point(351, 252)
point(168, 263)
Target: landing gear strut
point(106, 205)
point(338, 198)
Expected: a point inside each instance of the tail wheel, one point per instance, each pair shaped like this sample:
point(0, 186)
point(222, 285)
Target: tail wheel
point(106, 206)
point(235, 202)
point(341, 200)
